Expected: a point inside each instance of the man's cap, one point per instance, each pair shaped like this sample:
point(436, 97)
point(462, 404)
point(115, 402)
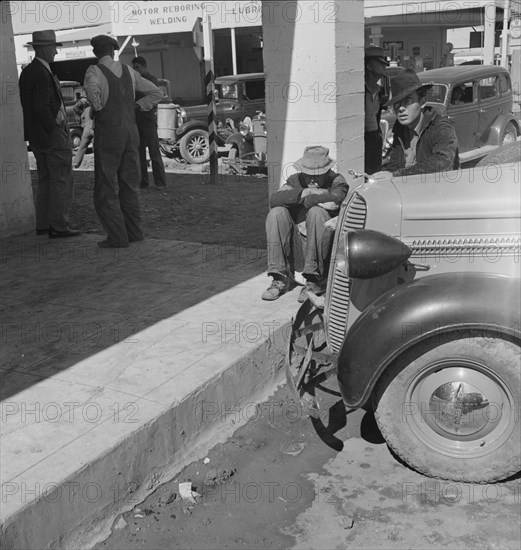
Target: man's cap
point(315, 161)
point(44, 38)
point(104, 40)
point(404, 84)
point(375, 52)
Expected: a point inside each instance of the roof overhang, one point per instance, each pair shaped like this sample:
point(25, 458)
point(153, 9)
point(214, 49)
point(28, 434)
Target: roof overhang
point(428, 13)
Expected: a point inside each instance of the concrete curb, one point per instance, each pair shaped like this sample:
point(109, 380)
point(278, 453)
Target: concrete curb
point(79, 510)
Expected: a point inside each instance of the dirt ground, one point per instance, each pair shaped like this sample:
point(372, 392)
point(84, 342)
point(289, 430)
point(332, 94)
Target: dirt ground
point(284, 481)
point(232, 211)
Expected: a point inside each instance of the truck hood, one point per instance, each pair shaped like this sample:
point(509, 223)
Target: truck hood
point(476, 201)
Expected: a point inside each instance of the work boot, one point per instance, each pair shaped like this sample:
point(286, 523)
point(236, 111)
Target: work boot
point(310, 286)
point(278, 287)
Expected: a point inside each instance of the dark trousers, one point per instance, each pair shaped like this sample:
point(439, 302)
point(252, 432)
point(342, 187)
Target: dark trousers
point(373, 151)
point(116, 195)
point(148, 138)
point(289, 251)
point(55, 185)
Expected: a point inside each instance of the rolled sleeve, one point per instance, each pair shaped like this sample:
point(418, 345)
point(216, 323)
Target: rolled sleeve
point(92, 85)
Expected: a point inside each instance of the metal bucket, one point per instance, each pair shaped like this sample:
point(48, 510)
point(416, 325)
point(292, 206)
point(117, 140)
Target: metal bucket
point(167, 121)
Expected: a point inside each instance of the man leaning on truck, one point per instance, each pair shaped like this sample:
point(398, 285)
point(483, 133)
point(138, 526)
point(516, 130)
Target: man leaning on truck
point(424, 141)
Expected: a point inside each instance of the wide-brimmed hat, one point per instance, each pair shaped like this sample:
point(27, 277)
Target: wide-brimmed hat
point(315, 161)
point(375, 52)
point(44, 38)
point(104, 40)
point(403, 84)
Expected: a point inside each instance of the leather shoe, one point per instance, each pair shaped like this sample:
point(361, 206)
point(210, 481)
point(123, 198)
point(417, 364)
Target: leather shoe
point(42, 231)
point(55, 234)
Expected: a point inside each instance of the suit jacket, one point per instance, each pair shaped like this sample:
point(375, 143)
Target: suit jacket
point(41, 100)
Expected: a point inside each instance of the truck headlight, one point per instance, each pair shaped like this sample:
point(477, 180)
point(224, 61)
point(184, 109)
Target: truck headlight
point(182, 116)
point(365, 254)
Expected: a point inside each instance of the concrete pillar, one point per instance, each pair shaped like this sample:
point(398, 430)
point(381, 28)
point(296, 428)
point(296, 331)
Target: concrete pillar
point(16, 196)
point(490, 33)
point(313, 59)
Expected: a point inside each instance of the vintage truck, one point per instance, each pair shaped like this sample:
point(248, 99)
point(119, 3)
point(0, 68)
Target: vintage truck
point(420, 323)
point(184, 130)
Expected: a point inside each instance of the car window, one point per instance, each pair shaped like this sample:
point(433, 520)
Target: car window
point(462, 93)
point(437, 93)
point(504, 84)
point(254, 89)
point(487, 88)
point(227, 91)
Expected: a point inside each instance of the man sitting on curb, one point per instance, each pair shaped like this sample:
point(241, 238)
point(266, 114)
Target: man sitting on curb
point(424, 141)
point(296, 235)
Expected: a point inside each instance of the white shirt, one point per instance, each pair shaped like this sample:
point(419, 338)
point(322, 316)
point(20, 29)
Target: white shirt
point(97, 87)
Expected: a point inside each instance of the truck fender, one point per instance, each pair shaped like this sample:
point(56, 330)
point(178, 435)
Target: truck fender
point(494, 137)
point(419, 310)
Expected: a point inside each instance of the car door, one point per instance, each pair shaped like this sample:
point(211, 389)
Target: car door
point(462, 110)
point(489, 107)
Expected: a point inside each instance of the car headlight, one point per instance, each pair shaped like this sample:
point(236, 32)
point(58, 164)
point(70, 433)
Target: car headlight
point(365, 254)
point(182, 115)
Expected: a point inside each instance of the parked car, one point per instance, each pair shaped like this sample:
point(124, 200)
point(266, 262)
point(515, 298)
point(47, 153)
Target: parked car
point(483, 117)
point(184, 130)
point(420, 321)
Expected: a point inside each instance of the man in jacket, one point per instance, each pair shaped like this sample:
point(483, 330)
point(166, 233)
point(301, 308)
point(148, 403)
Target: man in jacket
point(111, 89)
point(375, 64)
point(147, 127)
point(423, 140)
point(46, 130)
point(297, 237)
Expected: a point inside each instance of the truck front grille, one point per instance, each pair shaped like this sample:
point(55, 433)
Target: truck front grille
point(351, 217)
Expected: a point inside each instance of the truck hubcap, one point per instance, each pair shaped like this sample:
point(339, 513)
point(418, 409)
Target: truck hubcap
point(461, 409)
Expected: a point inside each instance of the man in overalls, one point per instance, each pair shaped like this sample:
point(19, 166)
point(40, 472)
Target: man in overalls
point(111, 88)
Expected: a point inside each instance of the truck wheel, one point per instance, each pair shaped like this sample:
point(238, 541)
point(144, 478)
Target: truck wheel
point(509, 134)
point(194, 146)
point(449, 408)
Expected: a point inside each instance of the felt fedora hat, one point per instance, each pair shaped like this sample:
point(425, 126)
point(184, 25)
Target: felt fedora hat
point(315, 161)
point(44, 38)
point(102, 40)
point(375, 52)
point(403, 84)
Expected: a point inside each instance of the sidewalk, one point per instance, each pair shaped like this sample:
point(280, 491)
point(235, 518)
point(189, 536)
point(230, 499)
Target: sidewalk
point(119, 367)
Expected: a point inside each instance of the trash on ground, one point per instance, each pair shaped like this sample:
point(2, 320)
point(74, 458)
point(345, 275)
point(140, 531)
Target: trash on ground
point(215, 476)
point(185, 490)
point(346, 522)
point(292, 448)
point(120, 524)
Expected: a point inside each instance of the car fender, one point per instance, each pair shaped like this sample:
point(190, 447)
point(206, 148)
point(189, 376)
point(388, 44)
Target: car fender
point(419, 310)
point(190, 125)
point(496, 131)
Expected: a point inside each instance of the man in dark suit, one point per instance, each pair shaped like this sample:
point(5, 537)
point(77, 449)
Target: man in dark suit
point(45, 128)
